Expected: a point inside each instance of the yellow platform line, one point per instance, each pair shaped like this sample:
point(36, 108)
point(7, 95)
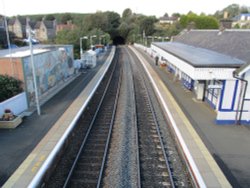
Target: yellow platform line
point(223, 182)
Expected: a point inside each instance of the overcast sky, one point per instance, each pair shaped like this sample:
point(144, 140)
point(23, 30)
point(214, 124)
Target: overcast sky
point(147, 7)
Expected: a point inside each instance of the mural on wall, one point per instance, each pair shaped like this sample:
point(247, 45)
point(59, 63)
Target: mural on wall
point(51, 68)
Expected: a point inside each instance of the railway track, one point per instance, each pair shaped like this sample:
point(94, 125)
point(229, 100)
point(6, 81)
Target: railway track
point(88, 167)
point(89, 164)
point(154, 168)
point(85, 167)
point(88, 135)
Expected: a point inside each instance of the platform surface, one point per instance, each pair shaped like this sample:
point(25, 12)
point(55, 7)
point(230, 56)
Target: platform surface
point(17, 144)
point(228, 144)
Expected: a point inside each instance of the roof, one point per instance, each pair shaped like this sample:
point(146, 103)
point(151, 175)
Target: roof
point(25, 51)
point(49, 24)
point(244, 68)
point(32, 24)
point(199, 57)
point(37, 25)
point(235, 43)
point(11, 21)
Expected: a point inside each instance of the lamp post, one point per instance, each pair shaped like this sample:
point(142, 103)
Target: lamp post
point(93, 36)
point(81, 38)
point(34, 73)
point(100, 38)
point(8, 42)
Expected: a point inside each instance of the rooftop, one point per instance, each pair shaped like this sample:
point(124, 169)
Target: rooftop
point(199, 57)
point(25, 51)
point(231, 42)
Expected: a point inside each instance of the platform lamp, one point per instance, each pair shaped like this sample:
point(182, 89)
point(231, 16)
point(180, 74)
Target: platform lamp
point(81, 38)
point(33, 71)
point(93, 36)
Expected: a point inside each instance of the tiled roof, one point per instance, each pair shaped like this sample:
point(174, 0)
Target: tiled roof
point(49, 24)
point(234, 43)
point(32, 24)
point(22, 20)
point(37, 25)
point(11, 21)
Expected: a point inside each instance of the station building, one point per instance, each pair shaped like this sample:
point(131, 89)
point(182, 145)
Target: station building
point(215, 65)
point(53, 65)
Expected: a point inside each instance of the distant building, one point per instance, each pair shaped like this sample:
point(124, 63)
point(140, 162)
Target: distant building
point(68, 26)
point(17, 26)
point(168, 20)
point(53, 65)
point(241, 20)
point(3, 37)
point(2, 24)
point(45, 30)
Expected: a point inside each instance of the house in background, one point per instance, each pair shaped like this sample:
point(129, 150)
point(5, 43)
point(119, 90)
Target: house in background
point(3, 37)
point(2, 25)
point(45, 30)
point(168, 20)
point(17, 26)
point(242, 20)
point(68, 26)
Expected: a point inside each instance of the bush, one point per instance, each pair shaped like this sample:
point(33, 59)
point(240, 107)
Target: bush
point(9, 87)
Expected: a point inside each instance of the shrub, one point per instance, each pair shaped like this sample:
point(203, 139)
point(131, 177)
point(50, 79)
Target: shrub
point(9, 87)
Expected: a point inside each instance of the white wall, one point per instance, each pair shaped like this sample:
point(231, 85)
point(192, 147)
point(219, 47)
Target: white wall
point(16, 104)
point(193, 72)
point(230, 107)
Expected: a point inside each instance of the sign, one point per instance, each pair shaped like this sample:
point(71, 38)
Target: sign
point(214, 86)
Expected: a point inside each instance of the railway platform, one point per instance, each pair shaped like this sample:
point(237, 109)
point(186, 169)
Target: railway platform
point(19, 146)
point(227, 144)
point(195, 124)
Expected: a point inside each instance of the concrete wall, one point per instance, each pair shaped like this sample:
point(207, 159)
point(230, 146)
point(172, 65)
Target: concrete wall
point(51, 67)
point(16, 104)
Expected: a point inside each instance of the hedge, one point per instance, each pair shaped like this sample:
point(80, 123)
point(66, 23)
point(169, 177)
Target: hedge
point(9, 87)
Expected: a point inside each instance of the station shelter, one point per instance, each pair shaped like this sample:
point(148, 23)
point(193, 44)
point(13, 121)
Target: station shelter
point(215, 78)
point(53, 64)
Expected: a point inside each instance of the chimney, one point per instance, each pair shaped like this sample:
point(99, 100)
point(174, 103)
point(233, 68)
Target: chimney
point(225, 16)
point(225, 23)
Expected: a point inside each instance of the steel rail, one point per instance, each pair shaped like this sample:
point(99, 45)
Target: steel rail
point(37, 179)
point(110, 130)
point(66, 183)
point(156, 125)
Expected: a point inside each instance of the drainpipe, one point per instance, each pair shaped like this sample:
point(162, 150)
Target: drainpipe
point(243, 98)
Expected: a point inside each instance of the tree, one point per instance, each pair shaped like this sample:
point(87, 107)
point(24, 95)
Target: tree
point(97, 20)
point(166, 15)
point(200, 22)
point(9, 87)
point(176, 15)
point(50, 17)
point(71, 37)
point(113, 20)
point(244, 9)
point(66, 17)
point(147, 25)
point(127, 13)
point(124, 30)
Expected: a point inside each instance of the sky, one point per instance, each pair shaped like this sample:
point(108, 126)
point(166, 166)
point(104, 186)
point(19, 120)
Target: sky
point(146, 7)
